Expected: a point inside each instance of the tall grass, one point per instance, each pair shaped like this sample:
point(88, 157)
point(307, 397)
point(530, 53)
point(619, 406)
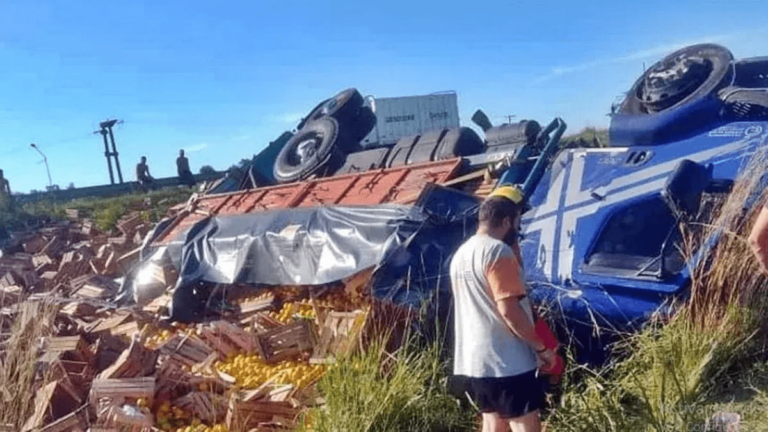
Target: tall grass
point(377, 390)
point(672, 369)
point(18, 362)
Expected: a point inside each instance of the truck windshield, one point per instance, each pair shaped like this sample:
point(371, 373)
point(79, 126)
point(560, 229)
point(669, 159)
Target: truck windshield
point(631, 241)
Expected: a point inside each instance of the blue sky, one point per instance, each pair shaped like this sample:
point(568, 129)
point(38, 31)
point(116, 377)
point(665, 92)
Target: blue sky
point(223, 78)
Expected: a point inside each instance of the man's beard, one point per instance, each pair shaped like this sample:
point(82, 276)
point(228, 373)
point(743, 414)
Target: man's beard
point(512, 237)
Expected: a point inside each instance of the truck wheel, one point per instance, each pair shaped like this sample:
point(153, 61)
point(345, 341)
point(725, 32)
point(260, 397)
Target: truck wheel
point(675, 99)
point(315, 149)
point(400, 152)
point(521, 133)
point(458, 142)
point(315, 114)
point(426, 147)
point(681, 78)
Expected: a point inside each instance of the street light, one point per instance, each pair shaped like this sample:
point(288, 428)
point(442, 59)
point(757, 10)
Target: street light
point(45, 159)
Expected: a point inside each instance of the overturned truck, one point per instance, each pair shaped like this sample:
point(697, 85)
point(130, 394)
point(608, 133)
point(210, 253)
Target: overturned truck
point(599, 246)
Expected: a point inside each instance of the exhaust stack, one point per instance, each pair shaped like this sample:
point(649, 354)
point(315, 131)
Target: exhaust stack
point(480, 119)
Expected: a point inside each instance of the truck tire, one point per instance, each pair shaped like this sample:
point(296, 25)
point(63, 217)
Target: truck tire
point(315, 149)
point(675, 98)
point(521, 133)
point(315, 114)
point(425, 148)
point(365, 160)
point(344, 107)
point(459, 142)
point(400, 152)
point(362, 125)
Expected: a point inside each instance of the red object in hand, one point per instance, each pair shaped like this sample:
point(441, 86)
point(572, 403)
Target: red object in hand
point(550, 341)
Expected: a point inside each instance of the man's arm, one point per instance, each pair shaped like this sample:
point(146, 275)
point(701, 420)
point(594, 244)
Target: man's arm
point(506, 288)
point(758, 239)
point(518, 322)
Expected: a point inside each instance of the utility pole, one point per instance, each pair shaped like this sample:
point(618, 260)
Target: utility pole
point(45, 159)
point(510, 117)
point(106, 130)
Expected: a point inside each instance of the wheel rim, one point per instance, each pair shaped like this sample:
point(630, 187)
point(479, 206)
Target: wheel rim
point(305, 150)
point(672, 80)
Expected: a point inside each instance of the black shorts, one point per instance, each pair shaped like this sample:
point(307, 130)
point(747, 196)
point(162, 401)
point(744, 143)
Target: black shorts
point(510, 397)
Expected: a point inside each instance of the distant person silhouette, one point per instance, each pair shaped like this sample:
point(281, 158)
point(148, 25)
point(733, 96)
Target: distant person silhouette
point(5, 186)
point(182, 167)
point(142, 174)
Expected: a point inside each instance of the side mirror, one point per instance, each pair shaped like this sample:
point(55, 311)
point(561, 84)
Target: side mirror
point(684, 188)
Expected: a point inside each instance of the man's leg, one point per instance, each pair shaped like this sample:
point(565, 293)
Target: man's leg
point(492, 422)
point(530, 422)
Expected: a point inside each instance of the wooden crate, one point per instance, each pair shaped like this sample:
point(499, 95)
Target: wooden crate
point(252, 306)
point(338, 335)
point(186, 350)
point(10, 295)
point(72, 347)
point(127, 225)
point(76, 421)
point(135, 361)
point(113, 418)
point(285, 342)
point(121, 389)
point(127, 329)
point(207, 406)
point(248, 415)
point(43, 263)
point(75, 377)
point(79, 309)
point(52, 402)
point(172, 381)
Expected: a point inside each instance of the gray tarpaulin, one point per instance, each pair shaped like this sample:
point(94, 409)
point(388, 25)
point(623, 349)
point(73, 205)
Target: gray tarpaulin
point(294, 247)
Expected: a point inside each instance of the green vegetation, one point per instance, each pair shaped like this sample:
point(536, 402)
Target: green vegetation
point(377, 391)
point(587, 137)
point(104, 211)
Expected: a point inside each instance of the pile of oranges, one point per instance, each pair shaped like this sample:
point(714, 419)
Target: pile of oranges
point(250, 371)
point(292, 310)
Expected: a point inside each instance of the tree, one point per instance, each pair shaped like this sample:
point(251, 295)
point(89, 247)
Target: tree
point(207, 169)
point(71, 185)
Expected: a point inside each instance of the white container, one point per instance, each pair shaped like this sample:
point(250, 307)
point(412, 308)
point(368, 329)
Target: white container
point(411, 115)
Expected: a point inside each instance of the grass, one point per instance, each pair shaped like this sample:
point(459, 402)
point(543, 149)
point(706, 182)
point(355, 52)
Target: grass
point(19, 360)
point(104, 211)
point(674, 375)
point(379, 389)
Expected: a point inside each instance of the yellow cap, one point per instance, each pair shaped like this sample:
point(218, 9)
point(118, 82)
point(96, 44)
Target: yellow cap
point(512, 193)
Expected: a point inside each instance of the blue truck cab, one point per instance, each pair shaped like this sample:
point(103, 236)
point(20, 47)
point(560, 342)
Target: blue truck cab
point(602, 240)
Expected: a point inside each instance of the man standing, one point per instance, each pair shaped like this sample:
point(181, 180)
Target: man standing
point(5, 186)
point(182, 167)
point(497, 349)
point(142, 174)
